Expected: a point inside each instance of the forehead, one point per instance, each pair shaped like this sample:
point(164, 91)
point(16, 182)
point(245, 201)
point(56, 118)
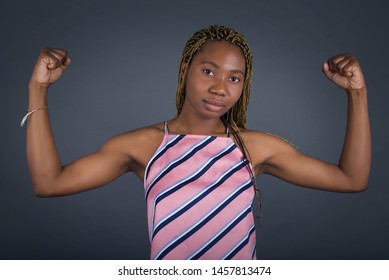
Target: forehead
point(221, 52)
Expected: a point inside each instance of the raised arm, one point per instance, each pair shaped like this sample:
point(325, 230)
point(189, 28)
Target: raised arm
point(48, 176)
point(352, 171)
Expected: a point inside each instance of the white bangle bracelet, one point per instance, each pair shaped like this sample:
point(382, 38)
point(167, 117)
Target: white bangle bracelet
point(29, 112)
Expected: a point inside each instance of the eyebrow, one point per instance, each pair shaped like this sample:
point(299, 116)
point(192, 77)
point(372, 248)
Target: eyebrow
point(237, 71)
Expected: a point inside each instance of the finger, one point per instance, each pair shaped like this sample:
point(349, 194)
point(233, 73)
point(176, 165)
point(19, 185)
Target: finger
point(60, 51)
point(326, 70)
point(59, 59)
point(48, 50)
point(345, 66)
point(65, 63)
point(340, 65)
point(350, 67)
point(54, 58)
point(338, 57)
point(62, 56)
point(333, 61)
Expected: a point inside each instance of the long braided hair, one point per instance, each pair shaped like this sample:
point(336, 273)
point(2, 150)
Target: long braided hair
point(235, 118)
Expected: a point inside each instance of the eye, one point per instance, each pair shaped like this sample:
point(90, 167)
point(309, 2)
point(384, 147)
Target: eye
point(208, 72)
point(235, 79)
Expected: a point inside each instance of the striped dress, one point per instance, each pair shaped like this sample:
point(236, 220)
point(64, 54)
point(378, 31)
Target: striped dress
point(199, 197)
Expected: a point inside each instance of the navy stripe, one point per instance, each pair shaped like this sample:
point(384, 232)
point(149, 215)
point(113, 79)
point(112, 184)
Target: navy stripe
point(198, 199)
point(221, 235)
point(194, 178)
point(200, 225)
point(185, 158)
point(244, 243)
point(167, 147)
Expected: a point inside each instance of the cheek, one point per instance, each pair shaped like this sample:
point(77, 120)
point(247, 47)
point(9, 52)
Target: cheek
point(195, 85)
point(236, 93)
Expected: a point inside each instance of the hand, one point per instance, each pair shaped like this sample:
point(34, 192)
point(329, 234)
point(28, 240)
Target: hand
point(50, 66)
point(344, 71)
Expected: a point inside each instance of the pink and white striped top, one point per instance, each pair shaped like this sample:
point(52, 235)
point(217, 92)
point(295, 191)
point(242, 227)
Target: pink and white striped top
point(199, 197)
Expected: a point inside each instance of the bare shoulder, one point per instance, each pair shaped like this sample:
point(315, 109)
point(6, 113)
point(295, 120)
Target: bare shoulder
point(262, 146)
point(264, 138)
point(138, 145)
point(138, 138)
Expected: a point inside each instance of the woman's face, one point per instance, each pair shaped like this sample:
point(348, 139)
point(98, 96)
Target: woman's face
point(214, 80)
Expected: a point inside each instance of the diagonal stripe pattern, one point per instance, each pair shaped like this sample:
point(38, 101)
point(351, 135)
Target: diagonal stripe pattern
point(199, 195)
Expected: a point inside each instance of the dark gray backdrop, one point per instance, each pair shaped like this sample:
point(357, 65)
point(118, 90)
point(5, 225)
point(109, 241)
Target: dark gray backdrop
point(125, 56)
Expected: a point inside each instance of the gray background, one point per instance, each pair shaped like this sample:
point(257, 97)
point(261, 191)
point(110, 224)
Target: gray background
point(125, 56)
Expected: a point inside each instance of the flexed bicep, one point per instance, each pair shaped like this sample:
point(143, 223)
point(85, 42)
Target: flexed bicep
point(288, 164)
point(88, 172)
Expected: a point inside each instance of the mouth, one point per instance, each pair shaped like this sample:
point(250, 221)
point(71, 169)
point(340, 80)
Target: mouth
point(213, 105)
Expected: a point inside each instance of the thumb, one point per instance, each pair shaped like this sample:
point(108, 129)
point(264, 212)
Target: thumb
point(51, 62)
point(326, 70)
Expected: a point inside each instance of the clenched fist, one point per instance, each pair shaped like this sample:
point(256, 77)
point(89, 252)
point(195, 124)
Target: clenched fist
point(344, 70)
point(50, 66)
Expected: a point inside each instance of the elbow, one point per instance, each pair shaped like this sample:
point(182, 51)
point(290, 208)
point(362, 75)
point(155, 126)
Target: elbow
point(357, 187)
point(43, 190)
point(361, 184)
point(41, 193)
point(352, 183)
point(360, 188)
point(45, 184)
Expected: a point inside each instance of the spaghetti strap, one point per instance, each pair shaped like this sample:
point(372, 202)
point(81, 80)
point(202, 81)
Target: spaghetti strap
point(166, 128)
point(228, 130)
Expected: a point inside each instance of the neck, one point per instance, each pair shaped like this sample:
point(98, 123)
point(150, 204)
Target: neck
point(185, 124)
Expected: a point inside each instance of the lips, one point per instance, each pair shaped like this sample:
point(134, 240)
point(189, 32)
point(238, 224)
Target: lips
point(214, 105)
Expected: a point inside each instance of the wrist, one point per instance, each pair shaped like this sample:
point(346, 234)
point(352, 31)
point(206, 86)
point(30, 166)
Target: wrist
point(357, 96)
point(357, 92)
point(35, 86)
point(37, 95)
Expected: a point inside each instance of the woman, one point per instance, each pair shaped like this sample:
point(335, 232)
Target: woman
point(199, 167)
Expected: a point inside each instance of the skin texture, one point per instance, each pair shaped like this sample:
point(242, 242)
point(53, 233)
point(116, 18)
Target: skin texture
point(214, 83)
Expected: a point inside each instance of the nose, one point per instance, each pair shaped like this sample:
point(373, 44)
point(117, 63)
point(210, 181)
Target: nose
point(218, 87)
